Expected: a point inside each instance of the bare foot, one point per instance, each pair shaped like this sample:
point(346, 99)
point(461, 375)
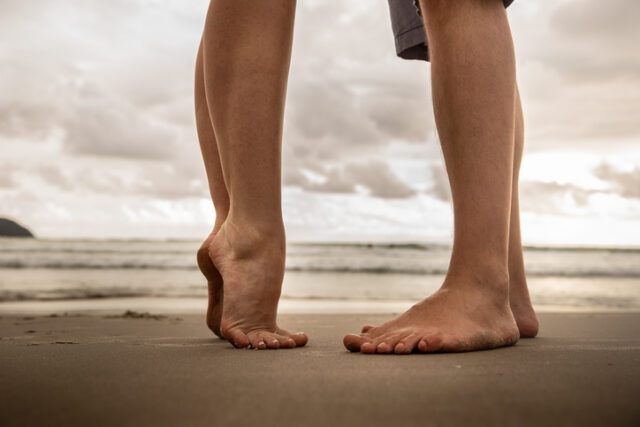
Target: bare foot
point(251, 265)
point(460, 318)
point(522, 309)
point(214, 283)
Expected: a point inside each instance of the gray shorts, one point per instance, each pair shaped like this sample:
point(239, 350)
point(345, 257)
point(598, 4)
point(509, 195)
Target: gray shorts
point(408, 29)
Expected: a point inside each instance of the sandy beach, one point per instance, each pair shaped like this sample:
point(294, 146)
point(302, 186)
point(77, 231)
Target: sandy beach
point(583, 369)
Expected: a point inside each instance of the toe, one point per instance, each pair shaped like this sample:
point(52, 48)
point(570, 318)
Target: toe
point(369, 347)
point(300, 339)
point(430, 343)
point(406, 344)
point(237, 338)
point(384, 348)
point(367, 328)
point(271, 339)
point(387, 343)
point(257, 341)
point(286, 341)
point(353, 342)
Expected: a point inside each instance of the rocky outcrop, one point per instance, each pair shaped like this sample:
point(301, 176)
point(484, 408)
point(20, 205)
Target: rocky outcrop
point(9, 228)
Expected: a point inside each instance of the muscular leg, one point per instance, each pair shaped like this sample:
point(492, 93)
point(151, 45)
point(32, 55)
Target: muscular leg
point(518, 291)
point(246, 55)
point(219, 196)
point(519, 299)
point(474, 93)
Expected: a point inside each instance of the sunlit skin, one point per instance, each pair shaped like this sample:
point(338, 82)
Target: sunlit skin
point(240, 85)
point(484, 301)
point(241, 76)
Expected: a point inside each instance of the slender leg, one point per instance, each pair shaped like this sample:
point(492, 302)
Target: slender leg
point(519, 299)
point(474, 93)
point(219, 196)
point(246, 56)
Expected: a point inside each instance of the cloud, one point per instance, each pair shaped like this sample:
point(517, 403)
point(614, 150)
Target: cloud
point(380, 180)
point(626, 183)
point(349, 96)
point(104, 124)
point(552, 197)
point(94, 76)
point(96, 115)
point(579, 71)
point(440, 188)
point(598, 40)
point(374, 176)
point(7, 179)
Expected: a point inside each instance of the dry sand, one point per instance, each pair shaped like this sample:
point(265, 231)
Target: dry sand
point(584, 369)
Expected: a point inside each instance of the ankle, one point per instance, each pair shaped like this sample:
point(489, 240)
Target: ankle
point(248, 239)
point(221, 217)
point(216, 227)
point(492, 282)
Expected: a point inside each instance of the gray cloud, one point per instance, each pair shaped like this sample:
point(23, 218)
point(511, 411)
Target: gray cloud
point(374, 176)
point(349, 96)
point(627, 184)
point(7, 179)
point(105, 125)
point(598, 41)
point(380, 180)
point(440, 189)
point(97, 105)
point(105, 93)
point(549, 197)
point(579, 71)
point(106, 178)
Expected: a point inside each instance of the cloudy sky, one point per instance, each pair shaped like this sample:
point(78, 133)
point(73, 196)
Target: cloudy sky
point(98, 139)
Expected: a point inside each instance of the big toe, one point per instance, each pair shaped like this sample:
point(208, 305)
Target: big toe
point(237, 338)
point(299, 338)
point(353, 342)
point(431, 343)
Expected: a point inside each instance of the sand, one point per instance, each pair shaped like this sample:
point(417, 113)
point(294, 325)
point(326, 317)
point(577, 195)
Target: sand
point(583, 369)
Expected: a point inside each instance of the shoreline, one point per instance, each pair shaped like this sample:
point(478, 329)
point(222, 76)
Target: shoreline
point(287, 306)
point(77, 369)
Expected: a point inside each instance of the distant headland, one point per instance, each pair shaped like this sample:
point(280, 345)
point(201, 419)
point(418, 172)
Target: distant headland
point(9, 228)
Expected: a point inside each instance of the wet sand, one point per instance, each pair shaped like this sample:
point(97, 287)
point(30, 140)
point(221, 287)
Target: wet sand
point(583, 369)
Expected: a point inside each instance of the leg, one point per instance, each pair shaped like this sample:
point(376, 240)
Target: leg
point(519, 299)
point(218, 192)
point(246, 53)
point(473, 85)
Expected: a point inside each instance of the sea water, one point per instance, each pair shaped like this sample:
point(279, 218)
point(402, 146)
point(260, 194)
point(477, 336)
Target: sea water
point(58, 275)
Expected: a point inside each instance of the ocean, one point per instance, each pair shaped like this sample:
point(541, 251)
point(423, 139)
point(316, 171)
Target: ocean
point(46, 275)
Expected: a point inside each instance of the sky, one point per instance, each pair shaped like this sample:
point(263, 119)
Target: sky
point(97, 130)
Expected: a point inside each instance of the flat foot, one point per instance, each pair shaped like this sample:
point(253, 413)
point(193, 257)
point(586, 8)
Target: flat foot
point(448, 321)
